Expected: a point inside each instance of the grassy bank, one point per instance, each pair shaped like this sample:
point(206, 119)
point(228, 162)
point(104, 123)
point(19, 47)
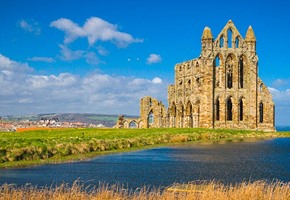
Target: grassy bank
point(60, 145)
point(192, 191)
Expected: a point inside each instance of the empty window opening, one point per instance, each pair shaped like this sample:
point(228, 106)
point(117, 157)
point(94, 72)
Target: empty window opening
point(261, 87)
point(229, 71)
point(173, 110)
point(237, 42)
point(198, 81)
point(229, 80)
point(261, 112)
point(151, 118)
point(133, 124)
point(217, 61)
point(217, 116)
point(241, 110)
point(229, 110)
point(241, 73)
point(222, 41)
point(230, 38)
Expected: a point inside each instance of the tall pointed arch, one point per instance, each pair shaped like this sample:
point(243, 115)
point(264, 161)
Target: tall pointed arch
point(188, 112)
point(261, 112)
point(180, 113)
point(230, 37)
point(172, 115)
point(241, 72)
point(180, 110)
point(229, 70)
point(217, 61)
point(222, 40)
point(150, 118)
point(241, 109)
point(229, 106)
point(173, 109)
point(217, 109)
point(188, 109)
point(217, 70)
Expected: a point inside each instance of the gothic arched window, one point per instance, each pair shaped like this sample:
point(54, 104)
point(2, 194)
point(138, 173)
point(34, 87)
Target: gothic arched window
point(261, 112)
point(230, 38)
point(222, 41)
point(241, 72)
point(217, 114)
point(217, 61)
point(229, 110)
point(229, 79)
point(229, 71)
point(132, 124)
point(151, 118)
point(237, 42)
point(241, 113)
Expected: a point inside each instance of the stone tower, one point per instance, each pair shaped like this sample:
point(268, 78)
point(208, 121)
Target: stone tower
point(219, 89)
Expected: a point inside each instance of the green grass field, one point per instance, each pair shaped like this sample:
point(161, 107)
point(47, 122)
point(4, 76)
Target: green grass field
point(18, 149)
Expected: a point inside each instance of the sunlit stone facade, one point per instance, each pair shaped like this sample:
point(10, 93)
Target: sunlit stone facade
point(219, 89)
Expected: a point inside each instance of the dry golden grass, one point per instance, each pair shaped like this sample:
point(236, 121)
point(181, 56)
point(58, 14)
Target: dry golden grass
point(37, 129)
point(197, 190)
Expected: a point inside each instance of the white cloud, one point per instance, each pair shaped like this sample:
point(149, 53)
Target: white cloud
point(102, 51)
point(71, 29)
point(154, 58)
point(91, 58)
point(31, 26)
point(280, 83)
point(281, 96)
point(24, 92)
point(42, 59)
point(95, 29)
point(10, 65)
point(156, 80)
point(69, 55)
point(282, 105)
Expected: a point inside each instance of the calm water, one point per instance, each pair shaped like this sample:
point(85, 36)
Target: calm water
point(229, 163)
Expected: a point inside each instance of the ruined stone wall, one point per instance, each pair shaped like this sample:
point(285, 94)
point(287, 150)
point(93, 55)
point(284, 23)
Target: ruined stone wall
point(152, 113)
point(219, 89)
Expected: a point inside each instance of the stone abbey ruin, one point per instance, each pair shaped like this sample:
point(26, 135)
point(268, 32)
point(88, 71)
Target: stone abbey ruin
point(219, 89)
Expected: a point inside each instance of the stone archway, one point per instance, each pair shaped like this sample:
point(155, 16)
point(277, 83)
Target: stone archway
point(196, 114)
point(180, 115)
point(172, 115)
point(151, 119)
point(133, 124)
point(188, 122)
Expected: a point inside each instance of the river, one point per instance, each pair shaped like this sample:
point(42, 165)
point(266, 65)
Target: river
point(227, 162)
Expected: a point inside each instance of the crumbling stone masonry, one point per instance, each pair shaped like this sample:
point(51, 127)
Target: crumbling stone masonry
point(219, 89)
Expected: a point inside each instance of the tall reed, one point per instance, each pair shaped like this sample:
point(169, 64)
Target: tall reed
point(195, 190)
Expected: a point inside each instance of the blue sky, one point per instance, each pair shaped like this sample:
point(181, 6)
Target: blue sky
point(103, 56)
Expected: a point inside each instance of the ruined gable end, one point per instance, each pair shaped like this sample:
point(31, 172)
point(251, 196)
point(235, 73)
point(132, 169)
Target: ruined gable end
point(219, 89)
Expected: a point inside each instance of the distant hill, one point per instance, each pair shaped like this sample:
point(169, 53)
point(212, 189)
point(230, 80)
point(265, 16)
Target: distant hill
point(106, 120)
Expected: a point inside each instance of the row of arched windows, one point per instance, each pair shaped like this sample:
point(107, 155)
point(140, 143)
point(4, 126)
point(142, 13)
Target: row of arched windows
point(230, 40)
point(229, 110)
point(229, 71)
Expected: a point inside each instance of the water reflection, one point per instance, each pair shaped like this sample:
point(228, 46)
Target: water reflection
point(228, 163)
